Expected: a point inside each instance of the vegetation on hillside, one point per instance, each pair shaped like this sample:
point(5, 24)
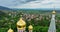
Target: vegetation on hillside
point(10, 19)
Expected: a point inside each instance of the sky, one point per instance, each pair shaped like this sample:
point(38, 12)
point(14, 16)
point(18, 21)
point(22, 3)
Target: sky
point(30, 3)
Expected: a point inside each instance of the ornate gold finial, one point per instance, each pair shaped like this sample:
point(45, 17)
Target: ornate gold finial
point(10, 30)
point(21, 23)
point(30, 27)
point(53, 12)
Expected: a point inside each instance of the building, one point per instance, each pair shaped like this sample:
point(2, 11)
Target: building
point(21, 26)
point(52, 27)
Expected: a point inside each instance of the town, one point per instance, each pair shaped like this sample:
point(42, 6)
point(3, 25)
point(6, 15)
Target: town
point(40, 22)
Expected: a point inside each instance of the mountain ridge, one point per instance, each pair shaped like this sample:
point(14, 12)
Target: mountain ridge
point(4, 8)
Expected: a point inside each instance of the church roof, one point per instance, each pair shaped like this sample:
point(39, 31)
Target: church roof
point(30, 27)
point(53, 12)
point(21, 22)
point(10, 30)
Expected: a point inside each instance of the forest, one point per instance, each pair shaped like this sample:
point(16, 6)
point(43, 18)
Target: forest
point(40, 22)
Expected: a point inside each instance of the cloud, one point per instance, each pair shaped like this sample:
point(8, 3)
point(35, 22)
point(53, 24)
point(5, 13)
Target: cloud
point(30, 3)
point(13, 3)
point(41, 4)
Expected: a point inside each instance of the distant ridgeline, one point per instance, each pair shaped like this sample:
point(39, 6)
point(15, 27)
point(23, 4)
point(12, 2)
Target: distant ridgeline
point(5, 8)
point(35, 10)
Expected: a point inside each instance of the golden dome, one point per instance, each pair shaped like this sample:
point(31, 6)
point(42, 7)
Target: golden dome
point(53, 12)
point(10, 30)
point(21, 22)
point(30, 27)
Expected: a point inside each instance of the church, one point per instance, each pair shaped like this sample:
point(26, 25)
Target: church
point(21, 25)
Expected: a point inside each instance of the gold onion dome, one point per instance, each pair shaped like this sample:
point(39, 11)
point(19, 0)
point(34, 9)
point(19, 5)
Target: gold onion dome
point(30, 27)
point(53, 12)
point(10, 30)
point(21, 22)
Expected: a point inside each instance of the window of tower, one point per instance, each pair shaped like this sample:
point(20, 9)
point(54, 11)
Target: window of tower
point(24, 26)
point(19, 26)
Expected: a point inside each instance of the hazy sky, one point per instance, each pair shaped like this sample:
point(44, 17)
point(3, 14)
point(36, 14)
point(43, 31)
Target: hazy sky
point(30, 3)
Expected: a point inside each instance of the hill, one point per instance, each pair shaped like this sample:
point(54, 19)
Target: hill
point(4, 8)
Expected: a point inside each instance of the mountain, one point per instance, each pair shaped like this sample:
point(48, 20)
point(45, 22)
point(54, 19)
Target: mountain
point(4, 8)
